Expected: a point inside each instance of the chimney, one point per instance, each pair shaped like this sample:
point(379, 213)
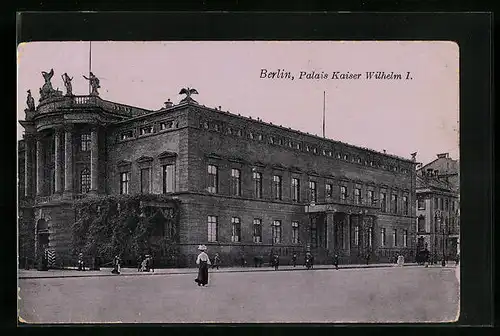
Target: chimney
point(168, 104)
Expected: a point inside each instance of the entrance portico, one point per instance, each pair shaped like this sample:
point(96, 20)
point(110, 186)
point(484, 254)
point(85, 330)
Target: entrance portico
point(342, 229)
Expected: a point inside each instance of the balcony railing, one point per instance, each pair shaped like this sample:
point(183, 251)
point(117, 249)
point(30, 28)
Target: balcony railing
point(55, 104)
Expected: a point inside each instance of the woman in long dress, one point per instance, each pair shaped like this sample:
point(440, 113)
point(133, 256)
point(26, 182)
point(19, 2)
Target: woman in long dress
point(203, 262)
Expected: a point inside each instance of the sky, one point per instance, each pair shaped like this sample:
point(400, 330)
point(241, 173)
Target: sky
point(400, 116)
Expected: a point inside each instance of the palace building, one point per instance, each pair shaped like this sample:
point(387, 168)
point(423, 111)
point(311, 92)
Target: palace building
point(245, 187)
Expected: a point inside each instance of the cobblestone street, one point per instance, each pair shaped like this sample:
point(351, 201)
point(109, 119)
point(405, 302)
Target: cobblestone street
point(383, 294)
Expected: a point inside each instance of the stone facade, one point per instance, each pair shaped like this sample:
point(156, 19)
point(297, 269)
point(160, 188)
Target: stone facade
point(87, 146)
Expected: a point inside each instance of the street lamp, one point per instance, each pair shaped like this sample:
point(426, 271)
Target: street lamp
point(443, 262)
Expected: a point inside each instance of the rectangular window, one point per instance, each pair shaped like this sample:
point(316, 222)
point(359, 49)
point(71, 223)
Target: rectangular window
point(343, 193)
point(357, 196)
point(277, 232)
point(313, 191)
point(446, 204)
point(168, 175)
point(440, 203)
point(257, 178)
point(124, 183)
point(212, 186)
point(85, 142)
point(369, 196)
point(212, 229)
point(328, 190)
point(394, 201)
point(84, 181)
point(127, 135)
point(166, 125)
point(356, 235)
point(236, 236)
point(257, 230)
point(405, 205)
point(277, 187)
point(145, 180)
point(382, 237)
point(295, 190)
point(383, 202)
point(421, 204)
point(436, 203)
point(235, 182)
point(146, 130)
point(295, 232)
point(395, 237)
point(405, 238)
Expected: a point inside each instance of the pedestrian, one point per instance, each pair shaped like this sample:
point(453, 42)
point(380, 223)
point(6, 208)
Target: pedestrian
point(243, 261)
point(294, 259)
point(203, 261)
point(150, 264)
point(336, 261)
point(367, 258)
point(457, 260)
point(116, 265)
point(139, 263)
point(81, 267)
point(276, 262)
point(216, 261)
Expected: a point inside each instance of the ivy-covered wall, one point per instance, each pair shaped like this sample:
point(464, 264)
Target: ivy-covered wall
point(129, 226)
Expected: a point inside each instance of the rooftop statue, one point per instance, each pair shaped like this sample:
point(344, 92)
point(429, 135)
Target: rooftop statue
point(67, 83)
point(30, 102)
point(94, 84)
point(188, 92)
point(47, 91)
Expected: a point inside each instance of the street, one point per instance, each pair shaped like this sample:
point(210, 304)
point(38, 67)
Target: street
point(366, 295)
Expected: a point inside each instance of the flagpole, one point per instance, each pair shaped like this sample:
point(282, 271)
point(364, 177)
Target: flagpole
point(324, 99)
point(90, 63)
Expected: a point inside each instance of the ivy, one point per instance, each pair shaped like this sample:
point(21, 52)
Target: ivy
point(125, 225)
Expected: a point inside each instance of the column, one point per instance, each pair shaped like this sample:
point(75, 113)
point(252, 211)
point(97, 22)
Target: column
point(57, 161)
point(39, 167)
point(330, 232)
point(68, 161)
point(27, 165)
point(94, 164)
point(348, 224)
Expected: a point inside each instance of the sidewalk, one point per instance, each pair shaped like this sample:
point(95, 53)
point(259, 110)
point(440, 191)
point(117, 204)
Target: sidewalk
point(106, 271)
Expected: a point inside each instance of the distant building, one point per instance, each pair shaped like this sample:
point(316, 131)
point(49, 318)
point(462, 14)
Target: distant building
point(438, 207)
point(244, 186)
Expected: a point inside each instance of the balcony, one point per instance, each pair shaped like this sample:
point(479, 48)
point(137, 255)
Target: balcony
point(59, 197)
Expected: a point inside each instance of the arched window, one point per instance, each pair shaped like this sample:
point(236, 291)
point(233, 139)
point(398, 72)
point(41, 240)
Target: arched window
point(85, 181)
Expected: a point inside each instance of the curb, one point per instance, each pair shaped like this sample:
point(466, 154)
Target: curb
point(193, 271)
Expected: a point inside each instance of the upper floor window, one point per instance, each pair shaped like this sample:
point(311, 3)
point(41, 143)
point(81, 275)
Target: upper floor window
point(328, 190)
point(168, 177)
point(295, 189)
point(323, 152)
point(124, 183)
point(395, 237)
point(421, 203)
point(257, 178)
point(146, 130)
point(343, 193)
point(290, 144)
point(394, 201)
point(166, 125)
point(217, 127)
point(338, 155)
point(357, 196)
point(259, 137)
point(127, 135)
point(405, 205)
point(250, 135)
point(315, 150)
point(307, 148)
point(235, 182)
point(85, 181)
point(206, 125)
point(271, 139)
point(313, 191)
point(277, 187)
point(280, 141)
point(145, 180)
point(237, 132)
point(297, 145)
point(346, 157)
point(330, 153)
point(369, 196)
point(236, 225)
point(212, 183)
point(85, 142)
point(405, 238)
point(446, 204)
point(383, 202)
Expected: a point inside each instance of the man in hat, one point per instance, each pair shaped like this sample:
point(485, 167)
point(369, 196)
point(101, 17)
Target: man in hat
point(216, 261)
point(203, 262)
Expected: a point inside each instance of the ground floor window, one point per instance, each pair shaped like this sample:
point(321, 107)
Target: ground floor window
point(212, 228)
point(295, 232)
point(277, 232)
point(236, 225)
point(257, 230)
